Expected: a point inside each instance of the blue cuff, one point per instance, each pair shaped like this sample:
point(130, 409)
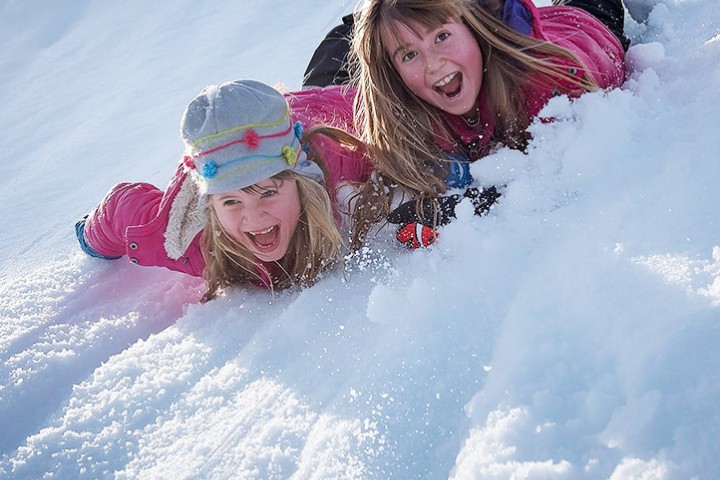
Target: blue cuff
point(458, 175)
point(80, 234)
point(517, 17)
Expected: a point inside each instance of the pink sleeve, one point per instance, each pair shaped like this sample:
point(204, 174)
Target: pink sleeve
point(343, 164)
point(125, 205)
point(332, 105)
point(590, 40)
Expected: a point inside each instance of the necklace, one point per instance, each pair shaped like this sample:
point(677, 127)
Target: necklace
point(472, 122)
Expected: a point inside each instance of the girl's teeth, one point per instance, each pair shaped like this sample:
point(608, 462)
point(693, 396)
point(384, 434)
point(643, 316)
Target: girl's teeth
point(445, 80)
point(265, 238)
point(262, 232)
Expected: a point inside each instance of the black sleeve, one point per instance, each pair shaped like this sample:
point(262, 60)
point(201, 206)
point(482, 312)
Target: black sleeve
point(328, 65)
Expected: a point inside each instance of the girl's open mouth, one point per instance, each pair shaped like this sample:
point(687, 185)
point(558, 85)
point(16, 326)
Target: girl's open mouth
point(450, 85)
point(265, 239)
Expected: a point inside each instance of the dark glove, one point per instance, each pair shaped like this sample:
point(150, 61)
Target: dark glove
point(431, 216)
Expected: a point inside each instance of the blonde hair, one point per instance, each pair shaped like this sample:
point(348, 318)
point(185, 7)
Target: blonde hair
point(400, 128)
point(315, 246)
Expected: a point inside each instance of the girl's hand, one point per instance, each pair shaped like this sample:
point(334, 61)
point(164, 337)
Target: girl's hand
point(418, 230)
point(441, 210)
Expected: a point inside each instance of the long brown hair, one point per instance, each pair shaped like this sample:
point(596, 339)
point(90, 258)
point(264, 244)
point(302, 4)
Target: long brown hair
point(401, 129)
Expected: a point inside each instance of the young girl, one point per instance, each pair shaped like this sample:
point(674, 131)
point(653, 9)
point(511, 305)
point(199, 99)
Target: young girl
point(246, 205)
point(445, 82)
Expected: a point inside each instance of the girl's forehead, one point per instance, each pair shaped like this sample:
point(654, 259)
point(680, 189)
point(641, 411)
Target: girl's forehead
point(259, 187)
point(412, 21)
point(262, 186)
point(267, 183)
point(400, 33)
point(429, 15)
point(392, 27)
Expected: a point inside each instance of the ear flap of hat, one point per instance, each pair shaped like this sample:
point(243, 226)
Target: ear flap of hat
point(187, 218)
point(305, 166)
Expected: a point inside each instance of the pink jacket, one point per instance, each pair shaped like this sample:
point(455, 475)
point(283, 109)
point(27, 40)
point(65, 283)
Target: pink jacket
point(133, 219)
point(579, 32)
point(590, 40)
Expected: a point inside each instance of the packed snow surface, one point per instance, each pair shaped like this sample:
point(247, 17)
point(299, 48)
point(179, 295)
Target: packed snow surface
point(572, 333)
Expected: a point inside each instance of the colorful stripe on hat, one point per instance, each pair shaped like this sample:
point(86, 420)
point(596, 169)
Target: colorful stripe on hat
point(240, 128)
point(289, 153)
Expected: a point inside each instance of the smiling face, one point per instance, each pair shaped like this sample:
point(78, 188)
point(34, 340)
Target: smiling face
point(443, 66)
point(262, 218)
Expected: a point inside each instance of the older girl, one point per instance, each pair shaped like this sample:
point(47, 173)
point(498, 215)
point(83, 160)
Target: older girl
point(246, 205)
point(445, 82)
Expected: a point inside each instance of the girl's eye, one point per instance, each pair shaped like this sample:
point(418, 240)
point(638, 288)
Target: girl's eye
point(268, 193)
point(408, 56)
point(229, 202)
point(442, 37)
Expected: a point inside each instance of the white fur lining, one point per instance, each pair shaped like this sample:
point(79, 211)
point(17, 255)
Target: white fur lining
point(186, 219)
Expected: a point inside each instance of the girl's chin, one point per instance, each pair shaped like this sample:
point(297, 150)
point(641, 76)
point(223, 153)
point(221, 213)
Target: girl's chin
point(461, 104)
point(457, 106)
point(270, 256)
point(453, 107)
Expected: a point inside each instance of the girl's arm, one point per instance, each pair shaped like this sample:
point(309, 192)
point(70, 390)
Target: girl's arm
point(125, 205)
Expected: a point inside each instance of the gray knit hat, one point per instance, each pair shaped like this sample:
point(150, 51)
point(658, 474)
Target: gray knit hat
point(239, 133)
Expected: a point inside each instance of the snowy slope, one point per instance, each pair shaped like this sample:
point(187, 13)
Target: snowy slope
point(571, 334)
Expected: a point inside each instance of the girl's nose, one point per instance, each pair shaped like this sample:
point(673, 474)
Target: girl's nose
point(434, 61)
point(253, 216)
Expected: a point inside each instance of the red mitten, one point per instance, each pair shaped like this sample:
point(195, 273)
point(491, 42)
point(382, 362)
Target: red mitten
point(416, 235)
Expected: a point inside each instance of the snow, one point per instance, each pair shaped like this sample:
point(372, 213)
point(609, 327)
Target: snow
point(570, 334)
